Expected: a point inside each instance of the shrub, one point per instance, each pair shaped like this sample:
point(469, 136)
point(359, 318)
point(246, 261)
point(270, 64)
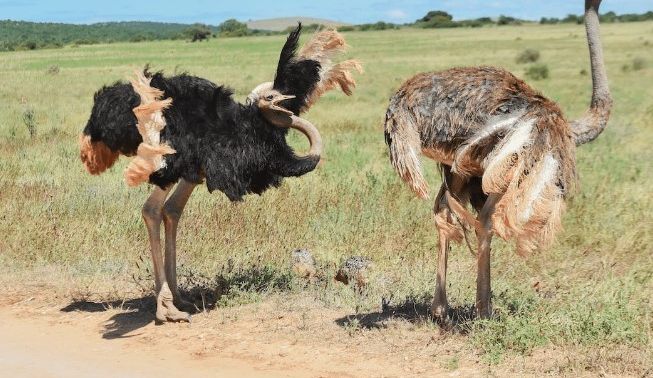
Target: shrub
point(538, 71)
point(528, 56)
point(53, 70)
point(638, 64)
point(30, 121)
point(198, 32)
point(233, 28)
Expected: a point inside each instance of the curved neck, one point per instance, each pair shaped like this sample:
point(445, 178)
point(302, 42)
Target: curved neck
point(314, 137)
point(282, 119)
point(594, 121)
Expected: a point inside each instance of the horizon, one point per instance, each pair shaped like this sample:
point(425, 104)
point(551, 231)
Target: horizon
point(356, 11)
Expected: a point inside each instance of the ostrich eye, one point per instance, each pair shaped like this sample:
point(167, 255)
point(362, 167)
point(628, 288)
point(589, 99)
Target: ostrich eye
point(269, 97)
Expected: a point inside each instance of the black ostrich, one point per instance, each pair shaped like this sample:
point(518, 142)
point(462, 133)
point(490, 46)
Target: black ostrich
point(198, 132)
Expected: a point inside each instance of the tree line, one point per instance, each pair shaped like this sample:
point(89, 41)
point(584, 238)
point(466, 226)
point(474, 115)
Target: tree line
point(23, 35)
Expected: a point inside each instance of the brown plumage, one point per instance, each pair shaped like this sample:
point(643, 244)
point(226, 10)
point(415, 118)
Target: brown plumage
point(503, 147)
point(323, 47)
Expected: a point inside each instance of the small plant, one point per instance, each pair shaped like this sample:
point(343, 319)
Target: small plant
point(452, 363)
point(538, 71)
point(528, 56)
point(638, 64)
point(53, 70)
point(30, 121)
point(583, 72)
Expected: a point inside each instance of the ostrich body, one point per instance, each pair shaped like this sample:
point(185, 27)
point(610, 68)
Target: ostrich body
point(503, 148)
point(185, 130)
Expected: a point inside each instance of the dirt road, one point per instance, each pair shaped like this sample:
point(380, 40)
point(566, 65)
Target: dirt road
point(35, 347)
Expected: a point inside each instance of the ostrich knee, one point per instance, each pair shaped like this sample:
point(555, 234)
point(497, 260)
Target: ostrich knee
point(172, 211)
point(152, 215)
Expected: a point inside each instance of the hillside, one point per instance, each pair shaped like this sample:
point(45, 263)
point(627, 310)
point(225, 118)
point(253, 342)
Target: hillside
point(279, 24)
point(32, 35)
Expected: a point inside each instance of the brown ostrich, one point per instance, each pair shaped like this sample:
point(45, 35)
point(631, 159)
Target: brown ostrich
point(502, 147)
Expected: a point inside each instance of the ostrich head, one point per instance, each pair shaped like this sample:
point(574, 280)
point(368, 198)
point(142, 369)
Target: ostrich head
point(301, 78)
point(268, 100)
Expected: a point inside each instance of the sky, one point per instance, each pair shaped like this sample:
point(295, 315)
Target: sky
point(350, 11)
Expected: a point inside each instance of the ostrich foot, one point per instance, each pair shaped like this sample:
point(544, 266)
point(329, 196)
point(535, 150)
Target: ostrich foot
point(165, 308)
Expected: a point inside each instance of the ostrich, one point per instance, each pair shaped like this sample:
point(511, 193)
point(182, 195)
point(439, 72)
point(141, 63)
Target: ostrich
point(502, 147)
point(185, 130)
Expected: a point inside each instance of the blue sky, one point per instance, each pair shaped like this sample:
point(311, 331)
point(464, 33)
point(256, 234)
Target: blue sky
point(353, 11)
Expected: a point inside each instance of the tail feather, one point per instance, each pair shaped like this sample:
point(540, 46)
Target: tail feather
point(149, 156)
point(402, 138)
point(323, 47)
point(96, 156)
point(531, 171)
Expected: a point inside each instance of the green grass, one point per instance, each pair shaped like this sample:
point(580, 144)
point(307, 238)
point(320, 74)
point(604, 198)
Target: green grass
point(591, 291)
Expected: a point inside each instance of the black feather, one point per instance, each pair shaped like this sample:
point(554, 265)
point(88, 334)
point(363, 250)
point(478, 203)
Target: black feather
point(288, 52)
point(294, 76)
point(229, 144)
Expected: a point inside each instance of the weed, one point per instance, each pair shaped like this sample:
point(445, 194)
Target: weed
point(538, 71)
point(30, 122)
point(638, 64)
point(53, 70)
point(528, 56)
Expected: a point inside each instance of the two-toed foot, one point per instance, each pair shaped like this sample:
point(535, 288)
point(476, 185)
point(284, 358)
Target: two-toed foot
point(166, 311)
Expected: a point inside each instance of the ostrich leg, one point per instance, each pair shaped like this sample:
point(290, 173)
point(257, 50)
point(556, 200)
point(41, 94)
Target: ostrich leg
point(484, 236)
point(172, 211)
point(152, 215)
point(442, 220)
point(446, 227)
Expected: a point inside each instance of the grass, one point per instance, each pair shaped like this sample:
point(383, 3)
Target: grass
point(589, 294)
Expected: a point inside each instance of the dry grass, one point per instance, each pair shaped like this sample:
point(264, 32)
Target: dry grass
point(585, 304)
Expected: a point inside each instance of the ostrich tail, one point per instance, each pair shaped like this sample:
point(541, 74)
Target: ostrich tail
point(533, 167)
point(402, 138)
point(96, 156)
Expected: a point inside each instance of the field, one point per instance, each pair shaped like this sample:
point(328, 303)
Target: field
point(75, 242)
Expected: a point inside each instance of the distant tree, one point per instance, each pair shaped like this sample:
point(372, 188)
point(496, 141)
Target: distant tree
point(507, 20)
point(441, 15)
point(551, 20)
point(608, 17)
point(572, 18)
point(198, 32)
point(437, 19)
point(233, 28)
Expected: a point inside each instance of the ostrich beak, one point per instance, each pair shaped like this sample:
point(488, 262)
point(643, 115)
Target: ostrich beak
point(274, 104)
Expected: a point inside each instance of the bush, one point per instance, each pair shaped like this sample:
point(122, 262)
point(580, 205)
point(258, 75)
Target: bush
point(53, 70)
point(346, 28)
point(30, 122)
point(233, 28)
point(538, 71)
point(378, 26)
point(638, 64)
point(528, 56)
point(199, 32)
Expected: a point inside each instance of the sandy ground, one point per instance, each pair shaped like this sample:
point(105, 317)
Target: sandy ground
point(275, 338)
point(37, 347)
point(47, 335)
